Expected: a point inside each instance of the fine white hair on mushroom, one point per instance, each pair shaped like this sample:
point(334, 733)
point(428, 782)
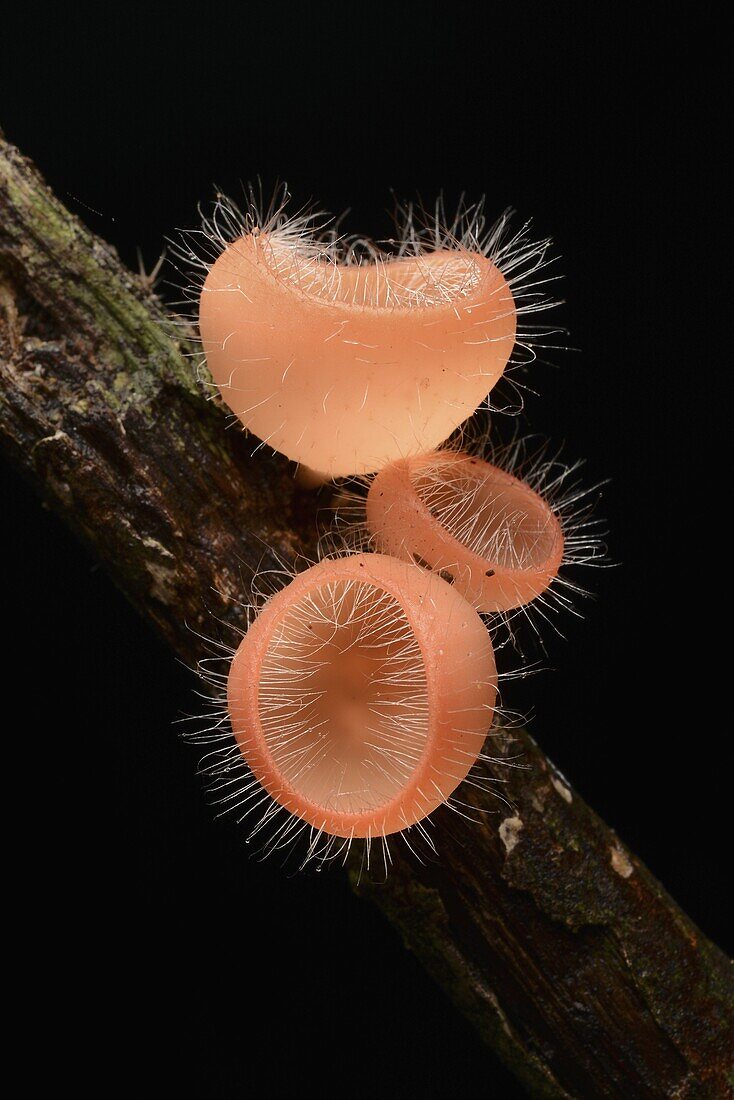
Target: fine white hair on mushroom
point(345, 614)
point(432, 258)
point(453, 502)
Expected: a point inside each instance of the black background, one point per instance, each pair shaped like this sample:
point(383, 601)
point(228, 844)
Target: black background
point(192, 966)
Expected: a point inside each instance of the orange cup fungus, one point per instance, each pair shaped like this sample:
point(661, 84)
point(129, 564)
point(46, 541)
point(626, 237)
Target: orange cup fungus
point(362, 694)
point(363, 691)
point(345, 366)
point(496, 539)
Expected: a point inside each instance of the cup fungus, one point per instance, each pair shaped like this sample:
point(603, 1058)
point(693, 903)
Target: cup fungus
point(363, 691)
point(362, 694)
point(496, 539)
point(344, 357)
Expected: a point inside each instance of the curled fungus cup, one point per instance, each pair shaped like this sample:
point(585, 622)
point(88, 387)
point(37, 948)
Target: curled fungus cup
point(496, 539)
point(346, 367)
point(362, 694)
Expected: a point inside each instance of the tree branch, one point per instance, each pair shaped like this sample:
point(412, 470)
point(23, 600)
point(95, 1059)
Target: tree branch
point(566, 954)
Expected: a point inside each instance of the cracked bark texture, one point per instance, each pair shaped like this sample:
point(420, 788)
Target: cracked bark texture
point(565, 953)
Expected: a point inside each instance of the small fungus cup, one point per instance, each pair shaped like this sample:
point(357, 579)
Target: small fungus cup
point(362, 694)
point(344, 367)
point(487, 532)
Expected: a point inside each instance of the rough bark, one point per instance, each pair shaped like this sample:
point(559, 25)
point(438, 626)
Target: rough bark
point(566, 954)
